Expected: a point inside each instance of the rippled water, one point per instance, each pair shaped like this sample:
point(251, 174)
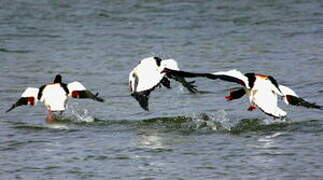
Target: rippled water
point(184, 136)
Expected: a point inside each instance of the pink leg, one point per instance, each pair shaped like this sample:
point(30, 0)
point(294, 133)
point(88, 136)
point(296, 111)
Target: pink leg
point(50, 116)
point(252, 107)
point(229, 98)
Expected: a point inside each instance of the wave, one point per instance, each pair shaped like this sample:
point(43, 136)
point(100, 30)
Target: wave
point(77, 117)
point(192, 122)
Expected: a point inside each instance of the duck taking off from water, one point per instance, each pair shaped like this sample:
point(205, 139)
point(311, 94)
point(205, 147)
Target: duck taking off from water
point(54, 95)
point(147, 75)
point(262, 90)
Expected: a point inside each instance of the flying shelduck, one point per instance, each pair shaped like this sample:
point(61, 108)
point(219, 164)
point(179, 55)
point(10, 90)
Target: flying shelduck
point(147, 75)
point(54, 95)
point(262, 90)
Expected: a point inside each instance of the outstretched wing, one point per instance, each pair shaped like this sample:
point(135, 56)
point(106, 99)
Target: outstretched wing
point(77, 90)
point(290, 97)
point(28, 97)
point(231, 76)
point(172, 64)
point(267, 101)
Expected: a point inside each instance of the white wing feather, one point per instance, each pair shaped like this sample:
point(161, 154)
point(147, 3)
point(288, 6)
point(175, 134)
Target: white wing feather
point(236, 74)
point(28, 97)
point(170, 64)
point(75, 86)
point(31, 92)
point(287, 91)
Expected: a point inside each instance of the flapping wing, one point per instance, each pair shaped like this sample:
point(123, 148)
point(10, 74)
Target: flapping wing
point(172, 64)
point(290, 97)
point(77, 90)
point(28, 97)
point(266, 101)
point(231, 76)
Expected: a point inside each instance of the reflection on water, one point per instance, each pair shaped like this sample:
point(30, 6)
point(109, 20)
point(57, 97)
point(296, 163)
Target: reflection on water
point(267, 152)
point(57, 125)
point(152, 140)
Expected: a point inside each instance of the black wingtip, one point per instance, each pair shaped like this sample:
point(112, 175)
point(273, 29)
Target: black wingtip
point(297, 101)
point(97, 98)
point(12, 107)
point(191, 87)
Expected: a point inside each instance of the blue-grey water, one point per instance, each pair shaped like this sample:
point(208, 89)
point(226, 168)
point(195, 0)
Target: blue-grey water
point(184, 136)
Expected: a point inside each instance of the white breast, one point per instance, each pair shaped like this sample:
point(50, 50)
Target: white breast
point(54, 97)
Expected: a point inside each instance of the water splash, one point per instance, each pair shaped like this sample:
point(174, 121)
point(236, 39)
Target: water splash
point(79, 114)
point(214, 121)
point(269, 121)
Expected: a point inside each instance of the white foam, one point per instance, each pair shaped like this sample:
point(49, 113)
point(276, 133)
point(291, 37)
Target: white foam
point(79, 114)
point(57, 126)
point(214, 121)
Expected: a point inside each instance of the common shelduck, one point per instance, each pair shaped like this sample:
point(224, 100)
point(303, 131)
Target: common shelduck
point(146, 76)
point(54, 95)
point(262, 90)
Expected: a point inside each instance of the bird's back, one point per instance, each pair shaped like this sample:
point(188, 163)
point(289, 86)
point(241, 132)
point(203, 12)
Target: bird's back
point(54, 97)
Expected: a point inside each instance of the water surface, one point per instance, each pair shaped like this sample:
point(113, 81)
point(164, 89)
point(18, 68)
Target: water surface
point(184, 136)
